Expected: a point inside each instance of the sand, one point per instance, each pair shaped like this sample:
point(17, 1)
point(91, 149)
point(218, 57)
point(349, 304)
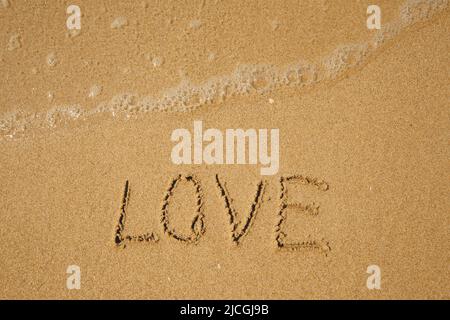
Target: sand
point(86, 175)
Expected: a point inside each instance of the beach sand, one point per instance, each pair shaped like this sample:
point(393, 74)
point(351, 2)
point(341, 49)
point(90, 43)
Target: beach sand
point(363, 112)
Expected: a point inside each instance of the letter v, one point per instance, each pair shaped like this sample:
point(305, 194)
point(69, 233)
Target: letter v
point(237, 234)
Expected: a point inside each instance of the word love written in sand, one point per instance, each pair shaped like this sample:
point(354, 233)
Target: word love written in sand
point(239, 229)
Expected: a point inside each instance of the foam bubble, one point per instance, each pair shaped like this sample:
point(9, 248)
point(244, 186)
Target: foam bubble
point(345, 57)
point(195, 24)
point(95, 91)
point(275, 24)
point(119, 22)
point(157, 62)
point(14, 42)
point(211, 56)
point(51, 59)
point(50, 96)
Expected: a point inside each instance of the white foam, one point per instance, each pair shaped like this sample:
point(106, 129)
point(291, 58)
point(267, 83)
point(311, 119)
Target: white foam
point(51, 59)
point(15, 42)
point(95, 91)
point(244, 80)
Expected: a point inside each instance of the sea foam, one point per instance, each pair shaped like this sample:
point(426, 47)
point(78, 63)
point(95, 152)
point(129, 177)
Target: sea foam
point(244, 80)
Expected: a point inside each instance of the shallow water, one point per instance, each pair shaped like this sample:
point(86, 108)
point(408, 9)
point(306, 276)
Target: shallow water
point(246, 79)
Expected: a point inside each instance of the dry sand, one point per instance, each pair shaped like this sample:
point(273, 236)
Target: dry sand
point(364, 111)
